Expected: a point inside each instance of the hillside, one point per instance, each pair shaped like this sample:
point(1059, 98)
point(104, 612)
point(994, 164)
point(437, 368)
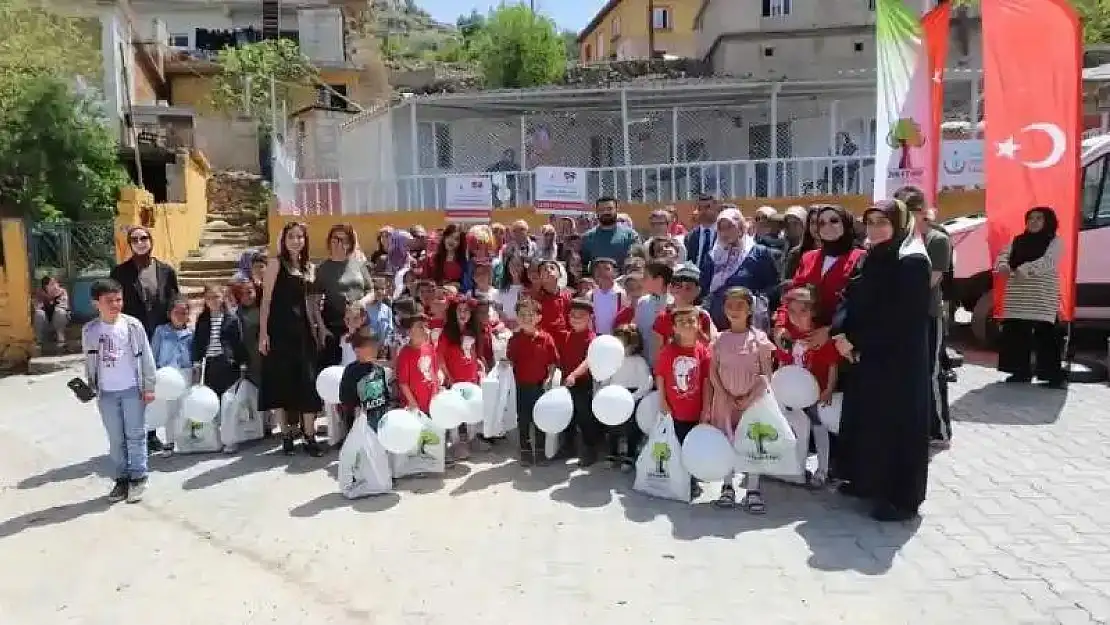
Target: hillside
point(411, 39)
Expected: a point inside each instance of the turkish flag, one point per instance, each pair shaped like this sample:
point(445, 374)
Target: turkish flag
point(1032, 72)
point(935, 28)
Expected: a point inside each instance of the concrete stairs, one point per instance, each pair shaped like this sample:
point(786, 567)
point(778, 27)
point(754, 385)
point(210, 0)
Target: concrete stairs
point(214, 261)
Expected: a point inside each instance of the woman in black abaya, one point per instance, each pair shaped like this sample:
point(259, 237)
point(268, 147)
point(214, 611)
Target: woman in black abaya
point(883, 327)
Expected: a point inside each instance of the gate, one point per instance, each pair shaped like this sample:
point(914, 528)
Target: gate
point(69, 250)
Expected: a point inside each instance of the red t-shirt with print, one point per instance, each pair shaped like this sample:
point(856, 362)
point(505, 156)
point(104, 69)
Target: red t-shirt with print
point(555, 314)
point(531, 355)
point(461, 360)
point(820, 362)
point(435, 328)
point(664, 323)
point(685, 372)
point(574, 351)
point(418, 369)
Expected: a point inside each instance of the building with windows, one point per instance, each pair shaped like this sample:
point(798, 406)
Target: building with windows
point(639, 29)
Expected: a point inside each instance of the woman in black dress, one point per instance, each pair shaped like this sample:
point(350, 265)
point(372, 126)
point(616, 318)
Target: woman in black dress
point(883, 325)
point(288, 340)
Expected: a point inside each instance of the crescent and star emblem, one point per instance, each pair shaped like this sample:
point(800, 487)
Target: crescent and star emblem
point(1010, 147)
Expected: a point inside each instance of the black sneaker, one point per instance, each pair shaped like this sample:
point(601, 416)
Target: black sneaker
point(118, 492)
point(312, 447)
point(527, 458)
point(287, 446)
point(588, 458)
point(153, 444)
point(135, 490)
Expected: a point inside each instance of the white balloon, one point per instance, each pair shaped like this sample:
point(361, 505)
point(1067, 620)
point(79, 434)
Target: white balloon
point(169, 384)
point(707, 454)
point(157, 413)
point(471, 394)
point(448, 409)
point(553, 410)
point(794, 387)
point(200, 404)
point(399, 431)
point(613, 405)
point(830, 415)
point(327, 384)
point(604, 356)
point(647, 413)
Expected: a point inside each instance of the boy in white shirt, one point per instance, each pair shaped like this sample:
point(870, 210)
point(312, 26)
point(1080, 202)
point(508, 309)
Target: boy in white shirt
point(119, 367)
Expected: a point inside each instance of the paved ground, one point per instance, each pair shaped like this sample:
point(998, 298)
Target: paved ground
point(1014, 531)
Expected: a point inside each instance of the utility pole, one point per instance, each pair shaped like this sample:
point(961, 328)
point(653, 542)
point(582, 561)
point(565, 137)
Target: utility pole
point(651, 28)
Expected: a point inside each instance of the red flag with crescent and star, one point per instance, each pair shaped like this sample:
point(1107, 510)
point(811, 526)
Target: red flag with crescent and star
point(1032, 87)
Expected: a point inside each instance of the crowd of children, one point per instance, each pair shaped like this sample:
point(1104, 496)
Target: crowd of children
point(418, 334)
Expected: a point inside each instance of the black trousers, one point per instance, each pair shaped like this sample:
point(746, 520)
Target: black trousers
point(219, 374)
point(588, 427)
point(526, 397)
point(1024, 343)
point(940, 425)
point(630, 432)
point(682, 428)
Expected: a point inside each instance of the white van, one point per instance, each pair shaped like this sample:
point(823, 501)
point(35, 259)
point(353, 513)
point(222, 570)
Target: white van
point(973, 263)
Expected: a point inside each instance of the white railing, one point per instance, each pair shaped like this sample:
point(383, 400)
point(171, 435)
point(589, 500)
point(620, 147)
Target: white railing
point(648, 184)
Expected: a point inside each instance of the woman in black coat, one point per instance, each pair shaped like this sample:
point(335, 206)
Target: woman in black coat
point(149, 285)
point(883, 327)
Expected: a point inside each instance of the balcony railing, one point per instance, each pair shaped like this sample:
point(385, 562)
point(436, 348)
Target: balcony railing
point(647, 184)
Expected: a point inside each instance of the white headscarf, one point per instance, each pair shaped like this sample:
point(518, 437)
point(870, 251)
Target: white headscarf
point(728, 257)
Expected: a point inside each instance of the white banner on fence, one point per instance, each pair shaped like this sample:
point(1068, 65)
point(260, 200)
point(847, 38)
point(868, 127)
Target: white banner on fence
point(961, 164)
point(469, 199)
point(561, 190)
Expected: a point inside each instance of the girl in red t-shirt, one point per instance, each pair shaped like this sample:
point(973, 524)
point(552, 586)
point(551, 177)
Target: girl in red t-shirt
point(820, 360)
point(682, 377)
point(460, 358)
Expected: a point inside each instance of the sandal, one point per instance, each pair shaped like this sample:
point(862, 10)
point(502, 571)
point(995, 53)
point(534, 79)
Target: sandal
point(727, 498)
point(753, 502)
point(818, 479)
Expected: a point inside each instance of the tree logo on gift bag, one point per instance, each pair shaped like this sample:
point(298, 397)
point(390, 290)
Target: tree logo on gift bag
point(427, 437)
point(194, 429)
point(660, 453)
point(762, 433)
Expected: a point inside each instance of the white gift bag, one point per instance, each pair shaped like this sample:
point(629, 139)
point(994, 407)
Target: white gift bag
point(197, 437)
point(240, 421)
point(336, 429)
point(830, 415)
point(764, 441)
point(801, 426)
point(659, 470)
point(430, 456)
point(363, 463)
point(499, 401)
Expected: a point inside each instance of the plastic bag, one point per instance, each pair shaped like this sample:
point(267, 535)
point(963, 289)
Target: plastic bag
point(499, 401)
point(659, 470)
point(430, 456)
point(336, 428)
point(363, 463)
point(764, 441)
point(197, 437)
point(240, 420)
point(830, 415)
point(801, 426)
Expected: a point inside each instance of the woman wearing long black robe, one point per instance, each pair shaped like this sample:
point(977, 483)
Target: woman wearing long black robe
point(884, 325)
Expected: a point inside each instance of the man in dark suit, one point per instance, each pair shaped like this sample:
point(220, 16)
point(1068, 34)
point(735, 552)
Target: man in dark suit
point(699, 241)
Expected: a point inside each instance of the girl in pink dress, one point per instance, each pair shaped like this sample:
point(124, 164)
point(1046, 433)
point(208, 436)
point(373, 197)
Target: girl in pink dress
point(742, 360)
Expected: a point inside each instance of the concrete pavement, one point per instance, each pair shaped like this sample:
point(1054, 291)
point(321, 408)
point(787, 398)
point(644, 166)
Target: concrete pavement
point(1014, 531)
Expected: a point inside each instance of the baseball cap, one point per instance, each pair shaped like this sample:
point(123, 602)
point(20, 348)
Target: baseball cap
point(687, 272)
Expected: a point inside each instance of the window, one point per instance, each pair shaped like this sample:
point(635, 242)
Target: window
point(434, 147)
point(600, 46)
point(178, 40)
point(661, 18)
point(858, 46)
point(615, 28)
point(776, 8)
point(768, 51)
point(870, 5)
point(332, 97)
point(589, 53)
point(1096, 195)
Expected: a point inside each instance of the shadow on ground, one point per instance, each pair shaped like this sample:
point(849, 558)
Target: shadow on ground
point(1025, 404)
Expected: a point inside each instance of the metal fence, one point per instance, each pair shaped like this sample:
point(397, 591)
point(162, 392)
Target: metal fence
point(68, 250)
point(657, 143)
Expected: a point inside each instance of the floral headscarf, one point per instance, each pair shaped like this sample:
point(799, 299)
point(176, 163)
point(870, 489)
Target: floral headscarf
point(398, 253)
point(727, 258)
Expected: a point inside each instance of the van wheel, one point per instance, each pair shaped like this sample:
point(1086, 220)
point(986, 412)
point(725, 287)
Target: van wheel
point(984, 327)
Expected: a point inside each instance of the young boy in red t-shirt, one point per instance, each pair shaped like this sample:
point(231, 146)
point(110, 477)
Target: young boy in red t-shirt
point(577, 379)
point(682, 375)
point(685, 286)
point(534, 357)
point(418, 365)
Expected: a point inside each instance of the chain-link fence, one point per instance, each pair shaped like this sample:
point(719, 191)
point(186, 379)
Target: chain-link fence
point(662, 143)
point(68, 250)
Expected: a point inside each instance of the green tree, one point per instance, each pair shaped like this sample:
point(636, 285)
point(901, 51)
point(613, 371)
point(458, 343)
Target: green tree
point(903, 135)
point(661, 452)
point(519, 48)
point(243, 83)
point(1095, 16)
point(570, 42)
point(761, 433)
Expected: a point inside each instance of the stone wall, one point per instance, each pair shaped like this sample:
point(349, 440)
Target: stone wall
point(240, 199)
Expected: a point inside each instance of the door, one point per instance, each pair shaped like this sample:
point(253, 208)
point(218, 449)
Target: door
point(768, 182)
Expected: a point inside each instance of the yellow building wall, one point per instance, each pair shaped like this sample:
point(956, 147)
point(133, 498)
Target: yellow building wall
point(177, 226)
point(195, 91)
point(952, 204)
point(634, 20)
point(17, 336)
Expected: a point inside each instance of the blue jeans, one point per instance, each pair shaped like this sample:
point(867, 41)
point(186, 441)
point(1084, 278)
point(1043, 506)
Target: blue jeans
point(124, 416)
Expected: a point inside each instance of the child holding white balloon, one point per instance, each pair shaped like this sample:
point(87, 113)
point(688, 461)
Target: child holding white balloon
point(364, 384)
point(418, 365)
point(634, 375)
point(820, 360)
point(534, 357)
point(682, 376)
point(459, 358)
point(743, 358)
point(577, 379)
point(172, 345)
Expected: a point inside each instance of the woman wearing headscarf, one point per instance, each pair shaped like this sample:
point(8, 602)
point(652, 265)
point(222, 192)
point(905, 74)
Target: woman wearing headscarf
point(378, 256)
point(737, 260)
point(826, 268)
point(1031, 301)
point(149, 290)
point(809, 242)
point(882, 326)
point(398, 256)
point(547, 247)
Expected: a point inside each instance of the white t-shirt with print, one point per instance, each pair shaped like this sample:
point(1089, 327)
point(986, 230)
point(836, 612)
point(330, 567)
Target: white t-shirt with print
point(117, 367)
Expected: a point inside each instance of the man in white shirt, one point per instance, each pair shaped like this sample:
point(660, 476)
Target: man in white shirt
point(699, 241)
